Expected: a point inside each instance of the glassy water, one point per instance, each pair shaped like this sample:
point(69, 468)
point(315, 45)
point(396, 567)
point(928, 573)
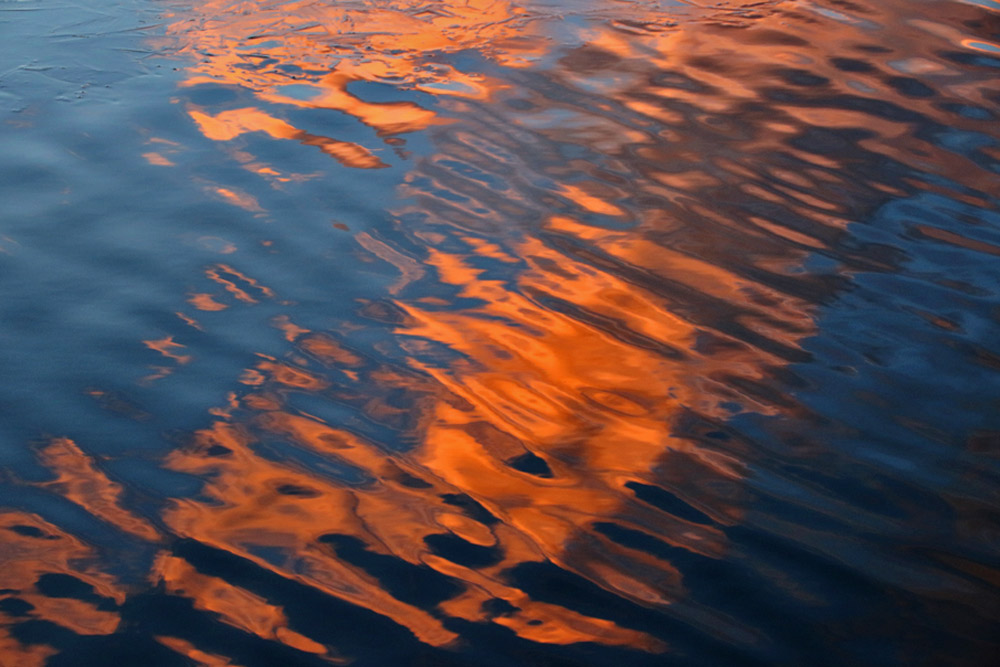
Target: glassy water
point(475, 332)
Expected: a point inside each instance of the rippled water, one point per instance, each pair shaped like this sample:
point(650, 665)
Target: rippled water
point(469, 332)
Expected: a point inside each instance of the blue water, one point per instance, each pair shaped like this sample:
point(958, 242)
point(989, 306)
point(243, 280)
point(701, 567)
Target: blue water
point(391, 332)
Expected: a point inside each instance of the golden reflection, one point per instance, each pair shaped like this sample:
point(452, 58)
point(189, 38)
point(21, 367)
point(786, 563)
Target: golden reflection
point(233, 605)
point(166, 347)
point(203, 301)
point(38, 556)
point(158, 160)
point(533, 382)
point(561, 321)
point(543, 414)
point(230, 279)
point(192, 652)
point(307, 55)
point(241, 199)
point(80, 481)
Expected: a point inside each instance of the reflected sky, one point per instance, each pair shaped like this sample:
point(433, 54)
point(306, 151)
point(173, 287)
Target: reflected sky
point(473, 331)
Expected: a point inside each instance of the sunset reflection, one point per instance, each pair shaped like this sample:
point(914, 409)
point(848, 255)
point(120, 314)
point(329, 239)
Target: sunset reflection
point(51, 575)
point(306, 55)
point(532, 414)
point(595, 253)
point(541, 415)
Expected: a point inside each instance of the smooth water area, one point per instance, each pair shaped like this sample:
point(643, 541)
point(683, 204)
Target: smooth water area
point(475, 332)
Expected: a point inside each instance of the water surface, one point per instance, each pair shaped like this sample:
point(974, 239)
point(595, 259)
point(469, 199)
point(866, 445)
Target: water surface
point(476, 332)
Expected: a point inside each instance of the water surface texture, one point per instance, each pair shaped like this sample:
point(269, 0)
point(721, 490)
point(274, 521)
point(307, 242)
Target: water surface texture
point(488, 333)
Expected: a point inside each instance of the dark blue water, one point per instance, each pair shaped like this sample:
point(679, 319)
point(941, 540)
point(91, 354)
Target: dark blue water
point(390, 332)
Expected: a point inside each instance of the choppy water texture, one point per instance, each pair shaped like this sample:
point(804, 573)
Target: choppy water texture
point(474, 332)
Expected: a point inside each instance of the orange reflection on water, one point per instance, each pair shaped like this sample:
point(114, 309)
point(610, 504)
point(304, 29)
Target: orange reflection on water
point(80, 481)
point(189, 650)
point(231, 124)
point(158, 160)
point(36, 554)
point(538, 392)
point(203, 301)
point(233, 605)
point(306, 55)
point(264, 504)
point(166, 347)
point(541, 414)
point(530, 381)
point(591, 256)
point(231, 280)
point(261, 503)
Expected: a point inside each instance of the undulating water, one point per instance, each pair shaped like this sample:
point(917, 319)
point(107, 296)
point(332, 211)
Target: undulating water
point(489, 333)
